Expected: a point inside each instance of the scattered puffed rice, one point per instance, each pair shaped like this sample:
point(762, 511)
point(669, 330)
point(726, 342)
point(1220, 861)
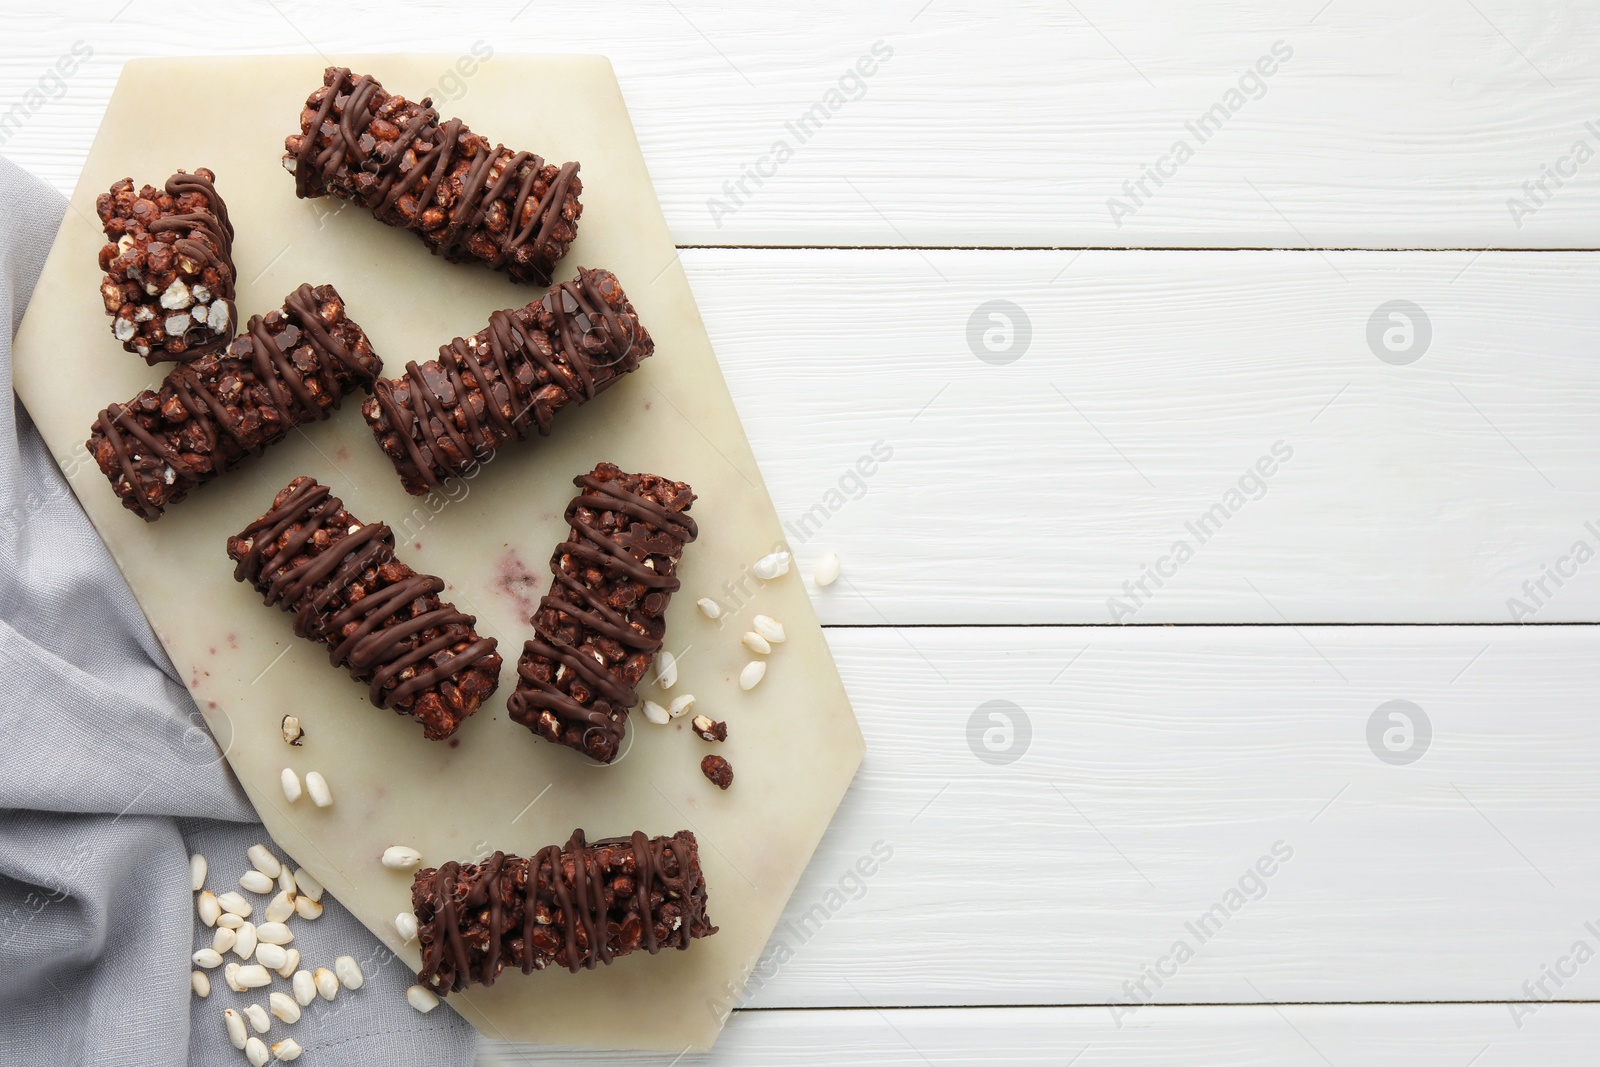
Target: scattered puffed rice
point(666, 670)
point(287, 1049)
point(317, 786)
point(772, 565)
point(236, 1031)
point(770, 628)
point(253, 976)
point(230, 920)
point(281, 908)
point(274, 934)
point(231, 974)
point(681, 706)
point(327, 984)
point(292, 733)
point(256, 1016)
point(244, 946)
point(405, 924)
point(255, 1050)
point(272, 957)
point(710, 609)
point(656, 713)
point(752, 674)
point(827, 571)
point(304, 986)
point(256, 882)
point(401, 858)
point(224, 939)
point(235, 904)
point(200, 982)
point(291, 962)
point(421, 998)
point(206, 958)
point(284, 1007)
point(348, 972)
point(206, 904)
point(307, 885)
point(307, 908)
point(197, 872)
point(262, 859)
point(291, 784)
point(756, 643)
point(286, 881)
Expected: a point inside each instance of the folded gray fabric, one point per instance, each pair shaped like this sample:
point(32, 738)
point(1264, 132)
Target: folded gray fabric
point(109, 780)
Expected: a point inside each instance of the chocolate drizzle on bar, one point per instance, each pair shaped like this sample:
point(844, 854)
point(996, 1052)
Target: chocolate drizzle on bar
point(444, 417)
point(380, 619)
point(578, 906)
point(598, 628)
point(289, 367)
point(469, 201)
point(213, 223)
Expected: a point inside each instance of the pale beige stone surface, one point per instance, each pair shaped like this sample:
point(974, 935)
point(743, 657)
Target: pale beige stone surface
point(794, 742)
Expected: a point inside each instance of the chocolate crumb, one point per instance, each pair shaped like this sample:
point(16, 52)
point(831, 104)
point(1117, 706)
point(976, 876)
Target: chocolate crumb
point(718, 770)
point(707, 730)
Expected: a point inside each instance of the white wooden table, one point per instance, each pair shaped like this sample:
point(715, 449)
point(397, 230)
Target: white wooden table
point(1195, 506)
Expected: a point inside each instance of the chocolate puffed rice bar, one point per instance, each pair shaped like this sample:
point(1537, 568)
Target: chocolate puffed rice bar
point(600, 625)
point(288, 367)
point(444, 417)
point(380, 619)
point(578, 906)
point(468, 200)
point(168, 262)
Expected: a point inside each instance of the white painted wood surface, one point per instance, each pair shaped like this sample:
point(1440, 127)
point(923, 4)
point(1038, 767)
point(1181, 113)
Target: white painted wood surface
point(1424, 493)
point(1162, 764)
point(1153, 384)
point(1390, 125)
point(1452, 1035)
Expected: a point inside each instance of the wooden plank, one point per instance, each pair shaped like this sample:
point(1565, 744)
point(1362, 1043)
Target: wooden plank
point(1442, 1035)
point(1000, 125)
point(1155, 390)
point(1155, 769)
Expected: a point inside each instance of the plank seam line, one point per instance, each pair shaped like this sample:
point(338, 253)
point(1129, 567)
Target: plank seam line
point(1157, 1007)
point(1396, 249)
point(1184, 625)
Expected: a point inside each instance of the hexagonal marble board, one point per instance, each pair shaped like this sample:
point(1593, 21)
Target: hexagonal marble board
point(793, 740)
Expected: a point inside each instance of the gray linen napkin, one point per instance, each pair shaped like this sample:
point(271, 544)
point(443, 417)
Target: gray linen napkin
point(109, 780)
